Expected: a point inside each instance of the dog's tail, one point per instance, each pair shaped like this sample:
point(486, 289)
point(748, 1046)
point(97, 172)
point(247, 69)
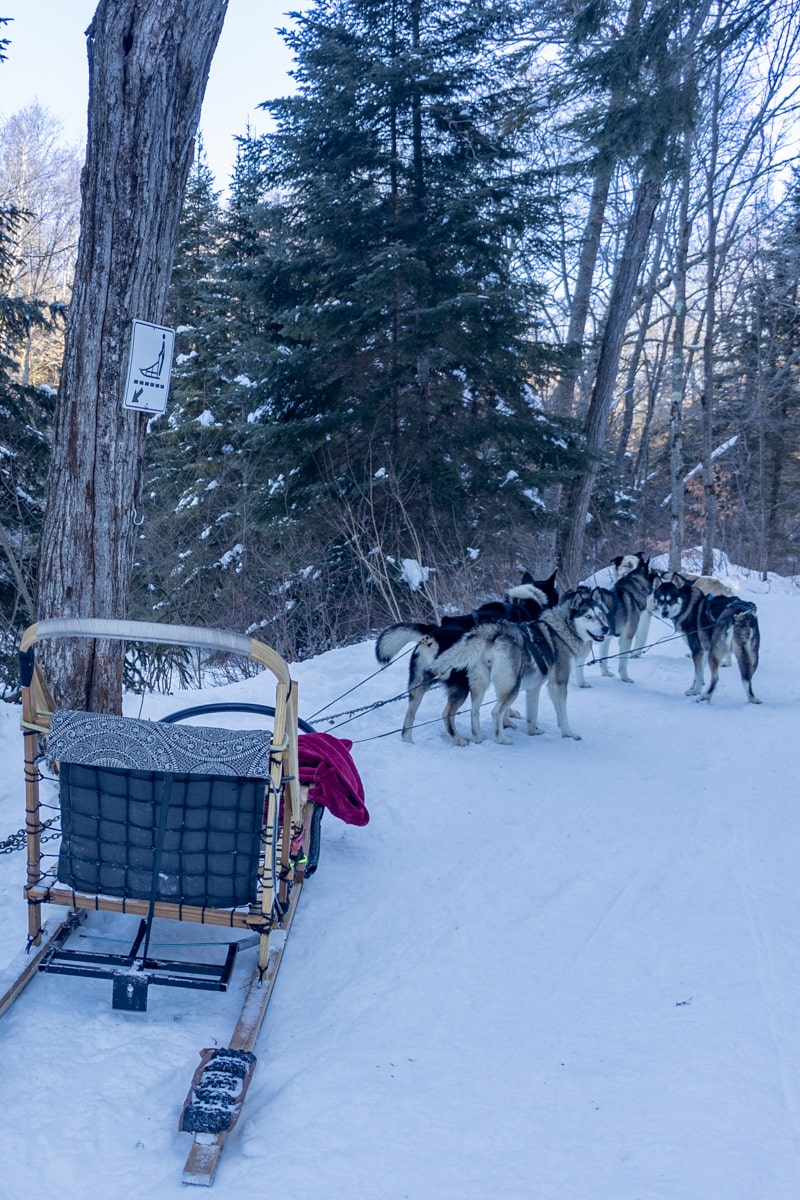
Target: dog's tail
point(528, 591)
point(392, 640)
point(746, 640)
point(474, 647)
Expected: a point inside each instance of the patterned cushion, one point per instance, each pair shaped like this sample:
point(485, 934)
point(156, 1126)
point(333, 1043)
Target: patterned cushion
point(103, 740)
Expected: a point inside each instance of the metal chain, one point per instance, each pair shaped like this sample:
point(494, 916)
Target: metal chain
point(16, 841)
point(356, 712)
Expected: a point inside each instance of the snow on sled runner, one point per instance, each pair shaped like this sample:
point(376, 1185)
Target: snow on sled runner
point(178, 822)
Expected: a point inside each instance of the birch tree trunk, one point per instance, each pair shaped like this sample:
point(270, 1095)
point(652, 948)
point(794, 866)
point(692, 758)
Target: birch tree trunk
point(148, 67)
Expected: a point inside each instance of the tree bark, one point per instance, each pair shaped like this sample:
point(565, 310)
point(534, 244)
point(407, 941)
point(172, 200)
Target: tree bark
point(678, 371)
point(148, 67)
point(619, 307)
point(712, 278)
point(562, 401)
point(649, 289)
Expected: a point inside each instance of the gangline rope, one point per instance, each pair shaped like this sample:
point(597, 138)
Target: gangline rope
point(353, 714)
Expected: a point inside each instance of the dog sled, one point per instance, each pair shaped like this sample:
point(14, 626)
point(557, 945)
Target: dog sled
point(169, 820)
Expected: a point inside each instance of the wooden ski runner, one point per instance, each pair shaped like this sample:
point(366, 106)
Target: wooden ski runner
point(22, 969)
point(201, 1163)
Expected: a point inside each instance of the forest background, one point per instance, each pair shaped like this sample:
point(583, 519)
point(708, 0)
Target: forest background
point(508, 285)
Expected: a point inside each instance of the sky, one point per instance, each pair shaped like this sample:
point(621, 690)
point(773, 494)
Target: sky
point(552, 970)
point(47, 61)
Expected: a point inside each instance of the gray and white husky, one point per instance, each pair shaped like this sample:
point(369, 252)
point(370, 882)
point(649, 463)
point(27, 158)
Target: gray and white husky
point(709, 585)
point(712, 627)
point(513, 657)
point(630, 601)
point(521, 604)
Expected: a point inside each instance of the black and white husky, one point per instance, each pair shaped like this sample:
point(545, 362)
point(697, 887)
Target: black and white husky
point(712, 627)
point(513, 657)
point(523, 603)
point(630, 598)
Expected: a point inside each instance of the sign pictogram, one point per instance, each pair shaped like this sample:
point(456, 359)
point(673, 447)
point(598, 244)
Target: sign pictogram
point(149, 367)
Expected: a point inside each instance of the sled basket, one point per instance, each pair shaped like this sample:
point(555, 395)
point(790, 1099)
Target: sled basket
point(190, 823)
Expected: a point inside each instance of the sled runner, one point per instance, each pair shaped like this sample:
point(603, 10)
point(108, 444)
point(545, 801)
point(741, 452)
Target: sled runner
point(166, 820)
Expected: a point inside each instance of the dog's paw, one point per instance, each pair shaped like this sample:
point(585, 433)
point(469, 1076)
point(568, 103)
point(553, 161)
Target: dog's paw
point(626, 679)
point(535, 732)
point(576, 737)
point(582, 683)
point(502, 740)
point(754, 700)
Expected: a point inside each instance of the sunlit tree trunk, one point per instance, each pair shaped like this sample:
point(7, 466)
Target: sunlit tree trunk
point(148, 66)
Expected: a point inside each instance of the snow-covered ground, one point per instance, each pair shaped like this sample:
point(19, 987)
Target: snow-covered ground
point(554, 970)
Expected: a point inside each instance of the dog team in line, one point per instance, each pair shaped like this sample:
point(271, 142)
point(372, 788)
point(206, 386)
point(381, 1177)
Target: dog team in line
point(535, 636)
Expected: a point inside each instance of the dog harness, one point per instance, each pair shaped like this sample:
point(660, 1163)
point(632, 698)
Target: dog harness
point(500, 610)
point(713, 608)
point(538, 646)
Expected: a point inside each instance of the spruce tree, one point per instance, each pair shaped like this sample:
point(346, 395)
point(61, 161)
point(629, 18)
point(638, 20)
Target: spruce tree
point(404, 335)
point(25, 416)
point(758, 386)
point(200, 475)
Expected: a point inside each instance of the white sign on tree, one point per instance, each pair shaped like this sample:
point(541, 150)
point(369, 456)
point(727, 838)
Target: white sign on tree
point(149, 367)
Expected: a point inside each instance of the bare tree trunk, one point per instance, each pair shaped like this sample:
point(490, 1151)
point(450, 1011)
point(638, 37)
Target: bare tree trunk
point(645, 312)
point(619, 307)
point(563, 398)
point(678, 383)
point(707, 396)
point(148, 66)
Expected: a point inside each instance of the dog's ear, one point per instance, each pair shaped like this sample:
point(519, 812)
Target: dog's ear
point(616, 561)
point(527, 577)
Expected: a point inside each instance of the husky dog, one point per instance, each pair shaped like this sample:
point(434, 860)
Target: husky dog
point(630, 598)
point(523, 603)
point(622, 565)
point(511, 657)
point(712, 626)
point(709, 585)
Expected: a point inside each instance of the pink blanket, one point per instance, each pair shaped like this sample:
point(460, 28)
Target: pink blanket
point(328, 769)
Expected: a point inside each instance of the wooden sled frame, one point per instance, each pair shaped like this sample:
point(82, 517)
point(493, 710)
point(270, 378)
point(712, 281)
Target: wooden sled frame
point(281, 869)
